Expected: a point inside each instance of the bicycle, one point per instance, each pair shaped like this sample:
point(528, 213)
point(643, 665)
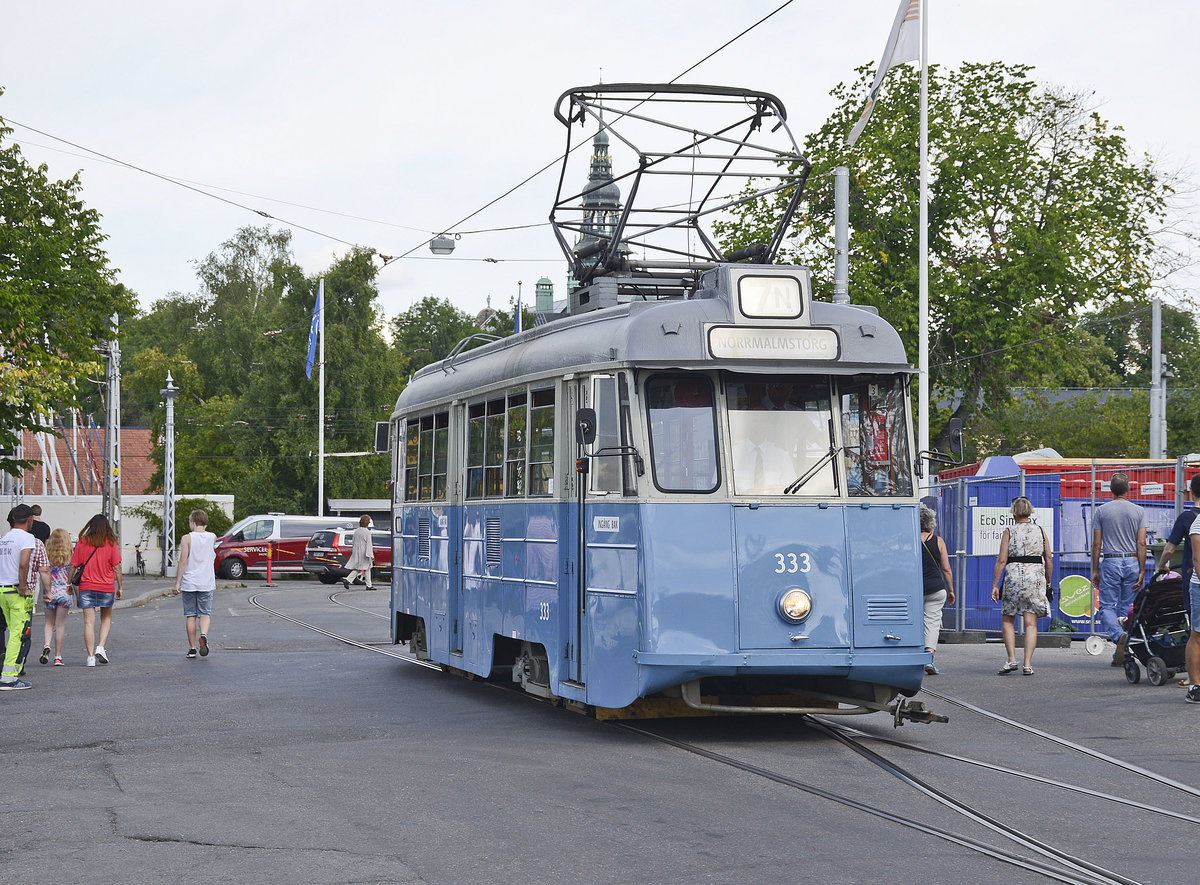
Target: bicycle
point(140, 566)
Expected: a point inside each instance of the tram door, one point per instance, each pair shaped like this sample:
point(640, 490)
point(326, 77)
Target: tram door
point(605, 532)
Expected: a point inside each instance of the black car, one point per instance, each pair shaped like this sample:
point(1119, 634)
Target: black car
point(326, 553)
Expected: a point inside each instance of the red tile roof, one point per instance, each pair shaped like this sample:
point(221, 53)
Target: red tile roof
point(136, 464)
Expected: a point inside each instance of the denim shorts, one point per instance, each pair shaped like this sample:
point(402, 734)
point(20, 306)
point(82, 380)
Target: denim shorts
point(197, 603)
point(1194, 593)
point(95, 599)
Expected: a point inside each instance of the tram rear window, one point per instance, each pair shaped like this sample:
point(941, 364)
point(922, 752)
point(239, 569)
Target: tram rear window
point(683, 435)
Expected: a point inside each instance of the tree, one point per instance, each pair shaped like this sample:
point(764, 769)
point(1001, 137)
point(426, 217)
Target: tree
point(1037, 212)
point(428, 331)
point(57, 295)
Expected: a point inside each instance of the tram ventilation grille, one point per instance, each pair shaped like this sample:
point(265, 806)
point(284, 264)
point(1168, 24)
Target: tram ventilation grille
point(492, 532)
point(423, 537)
point(887, 608)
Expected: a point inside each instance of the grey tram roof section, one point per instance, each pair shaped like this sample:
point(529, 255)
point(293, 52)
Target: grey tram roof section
point(664, 334)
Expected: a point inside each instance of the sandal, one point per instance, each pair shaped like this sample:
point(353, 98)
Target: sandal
point(1027, 671)
point(1009, 667)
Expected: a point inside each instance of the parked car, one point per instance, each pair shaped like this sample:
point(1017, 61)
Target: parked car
point(244, 547)
point(327, 551)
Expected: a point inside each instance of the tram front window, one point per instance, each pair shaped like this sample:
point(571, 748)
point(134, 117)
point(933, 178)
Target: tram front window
point(875, 436)
point(780, 429)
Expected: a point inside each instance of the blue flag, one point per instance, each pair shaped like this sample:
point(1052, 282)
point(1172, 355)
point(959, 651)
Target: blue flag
point(314, 330)
point(517, 316)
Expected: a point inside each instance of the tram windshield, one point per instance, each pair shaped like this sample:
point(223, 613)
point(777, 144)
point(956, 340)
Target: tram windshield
point(781, 431)
point(875, 435)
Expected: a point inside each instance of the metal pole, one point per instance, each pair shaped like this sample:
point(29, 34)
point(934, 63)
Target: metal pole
point(321, 406)
point(960, 556)
point(923, 255)
point(841, 235)
point(112, 483)
point(169, 393)
point(1158, 444)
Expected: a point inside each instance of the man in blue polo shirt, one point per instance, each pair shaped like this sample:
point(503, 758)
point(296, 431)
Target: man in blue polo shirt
point(1118, 559)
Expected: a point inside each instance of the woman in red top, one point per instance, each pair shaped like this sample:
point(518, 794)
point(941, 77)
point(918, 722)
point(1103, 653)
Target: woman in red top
point(98, 553)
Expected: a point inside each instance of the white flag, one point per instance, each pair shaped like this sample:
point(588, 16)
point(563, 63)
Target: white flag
point(903, 45)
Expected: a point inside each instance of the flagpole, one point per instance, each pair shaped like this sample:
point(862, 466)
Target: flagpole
point(923, 256)
point(321, 400)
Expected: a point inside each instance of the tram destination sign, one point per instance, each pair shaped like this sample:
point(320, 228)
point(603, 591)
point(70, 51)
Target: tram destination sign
point(767, 343)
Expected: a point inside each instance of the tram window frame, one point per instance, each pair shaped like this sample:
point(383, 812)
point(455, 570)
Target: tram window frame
point(674, 444)
point(780, 426)
point(505, 434)
point(426, 457)
point(897, 463)
point(611, 474)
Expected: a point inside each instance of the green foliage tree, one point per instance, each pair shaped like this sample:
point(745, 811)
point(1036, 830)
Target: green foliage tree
point(57, 295)
point(428, 331)
point(1037, 212)
point(246, 417)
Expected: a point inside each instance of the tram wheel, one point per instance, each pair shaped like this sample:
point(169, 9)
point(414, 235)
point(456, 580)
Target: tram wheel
point(1132, 672)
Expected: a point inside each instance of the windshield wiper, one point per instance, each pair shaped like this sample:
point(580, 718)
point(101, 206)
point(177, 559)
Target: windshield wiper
point(825, 459)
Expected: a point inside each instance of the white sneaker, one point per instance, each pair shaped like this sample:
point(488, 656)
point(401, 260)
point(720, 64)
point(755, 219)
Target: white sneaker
point(101, 654)
point(91, 662)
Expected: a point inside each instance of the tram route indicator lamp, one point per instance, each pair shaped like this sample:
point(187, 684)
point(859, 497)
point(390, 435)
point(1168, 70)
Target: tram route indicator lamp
point(441, 244)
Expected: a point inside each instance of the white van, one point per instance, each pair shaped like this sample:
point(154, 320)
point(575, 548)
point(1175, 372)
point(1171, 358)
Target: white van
point(244, 547)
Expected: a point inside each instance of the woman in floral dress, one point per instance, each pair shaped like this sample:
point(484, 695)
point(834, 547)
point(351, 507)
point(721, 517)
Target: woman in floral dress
point(1027, 564)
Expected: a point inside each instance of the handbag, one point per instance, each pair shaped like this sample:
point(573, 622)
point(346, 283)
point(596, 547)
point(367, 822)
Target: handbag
point(77, 575)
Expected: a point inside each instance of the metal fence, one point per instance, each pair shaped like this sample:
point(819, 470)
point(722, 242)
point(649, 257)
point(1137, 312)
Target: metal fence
point(973, 512)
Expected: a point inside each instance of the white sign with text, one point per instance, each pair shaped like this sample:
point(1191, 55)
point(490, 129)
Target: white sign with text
point(988, 525)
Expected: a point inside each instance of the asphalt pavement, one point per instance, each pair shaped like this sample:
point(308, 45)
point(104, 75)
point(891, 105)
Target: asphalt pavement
point(286, 756)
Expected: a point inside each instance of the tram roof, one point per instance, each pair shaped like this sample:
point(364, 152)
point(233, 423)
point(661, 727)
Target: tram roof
point(653, 335)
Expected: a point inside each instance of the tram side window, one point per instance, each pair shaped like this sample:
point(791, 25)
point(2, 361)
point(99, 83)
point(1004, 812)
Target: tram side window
point(683, 432)
point(780, 428)
point(875, 436)
point(541, 443)
point(510, 446)
point(515, 450)
point(425, 446)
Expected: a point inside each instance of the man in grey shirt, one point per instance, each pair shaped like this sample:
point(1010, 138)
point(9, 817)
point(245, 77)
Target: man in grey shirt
point(1118, 559)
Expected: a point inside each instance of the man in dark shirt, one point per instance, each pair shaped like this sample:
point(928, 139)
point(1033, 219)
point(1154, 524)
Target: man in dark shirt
point(1179, 535)
point(37, 528)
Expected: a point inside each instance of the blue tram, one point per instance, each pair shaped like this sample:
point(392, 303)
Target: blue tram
point(693, 489)
point(709, 498)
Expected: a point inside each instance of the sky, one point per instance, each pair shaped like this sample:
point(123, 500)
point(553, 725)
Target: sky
point(384, 123)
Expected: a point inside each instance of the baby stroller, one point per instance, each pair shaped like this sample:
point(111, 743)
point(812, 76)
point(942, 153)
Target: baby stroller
point(1158, 629)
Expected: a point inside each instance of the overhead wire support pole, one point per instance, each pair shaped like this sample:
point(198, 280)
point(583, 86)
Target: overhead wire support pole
point(321, 399)
point(923, 257)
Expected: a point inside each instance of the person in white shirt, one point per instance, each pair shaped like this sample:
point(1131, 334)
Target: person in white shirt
point(196, 580)
point(16, 594)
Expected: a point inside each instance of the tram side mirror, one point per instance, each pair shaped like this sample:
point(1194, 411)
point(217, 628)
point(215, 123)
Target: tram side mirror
point(954, 430)
point(585, 426)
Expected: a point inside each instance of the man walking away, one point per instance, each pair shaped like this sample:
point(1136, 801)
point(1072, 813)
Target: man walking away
point(1118, 559)
point(16, 596)
point(37, 528)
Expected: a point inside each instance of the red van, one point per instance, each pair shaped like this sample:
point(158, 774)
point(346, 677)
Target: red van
point(244, 547)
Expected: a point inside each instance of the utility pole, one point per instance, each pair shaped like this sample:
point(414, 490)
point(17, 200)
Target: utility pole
point(841, 235)
point(169, 393)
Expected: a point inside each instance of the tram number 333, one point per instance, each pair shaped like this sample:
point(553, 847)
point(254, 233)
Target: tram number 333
point(792, 563)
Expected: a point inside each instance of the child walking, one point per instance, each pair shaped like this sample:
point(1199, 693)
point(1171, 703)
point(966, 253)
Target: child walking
point(196, 580)
point(56, 598)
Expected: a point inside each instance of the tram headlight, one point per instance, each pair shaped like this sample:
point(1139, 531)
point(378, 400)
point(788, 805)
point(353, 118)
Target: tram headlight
point(795, 605)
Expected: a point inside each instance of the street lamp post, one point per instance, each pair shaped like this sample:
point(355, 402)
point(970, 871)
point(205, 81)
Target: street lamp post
point(169, 393)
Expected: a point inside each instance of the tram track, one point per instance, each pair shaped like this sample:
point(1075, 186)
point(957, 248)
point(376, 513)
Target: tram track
point(1051, 863)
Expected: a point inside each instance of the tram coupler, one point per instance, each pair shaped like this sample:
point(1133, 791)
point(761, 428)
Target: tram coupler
point(915, 711)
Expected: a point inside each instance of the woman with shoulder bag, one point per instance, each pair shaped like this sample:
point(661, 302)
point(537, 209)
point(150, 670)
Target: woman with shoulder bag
point(938, 582)
point(1027, 564)
point(100, 583)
